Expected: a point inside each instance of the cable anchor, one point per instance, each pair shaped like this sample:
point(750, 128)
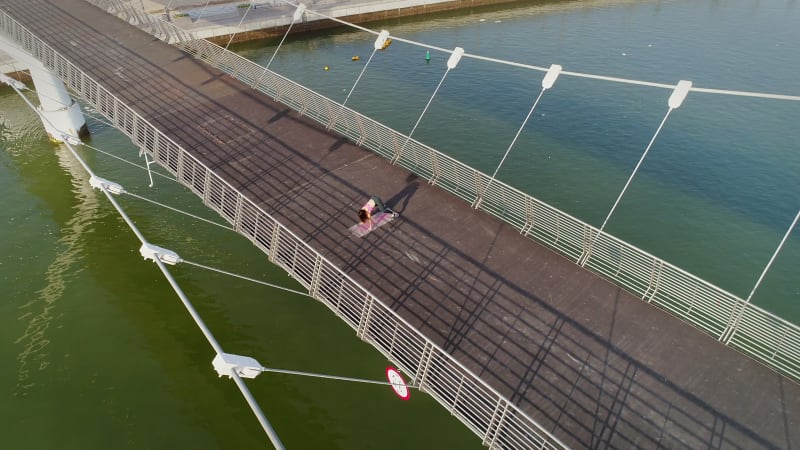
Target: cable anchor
point(244, 366)
point(151, 252)
point(101, 183)
point(147, 163)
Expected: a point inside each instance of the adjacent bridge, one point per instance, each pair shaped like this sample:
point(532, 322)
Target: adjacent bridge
point(485, 309)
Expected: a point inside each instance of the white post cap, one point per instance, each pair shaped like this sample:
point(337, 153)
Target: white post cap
point(551, 76)
point(245, 366)
point(455, 57)
point(384, 34)
point(298, 13)
point(150, 251)
point(679, 94)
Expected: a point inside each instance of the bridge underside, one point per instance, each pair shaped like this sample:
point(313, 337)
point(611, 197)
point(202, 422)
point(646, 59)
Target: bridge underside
point(587, 360)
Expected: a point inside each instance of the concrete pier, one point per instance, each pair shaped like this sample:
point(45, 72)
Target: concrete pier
point(60, 113)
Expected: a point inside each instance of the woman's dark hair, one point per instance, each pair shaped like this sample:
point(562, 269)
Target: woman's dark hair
point(362, 214)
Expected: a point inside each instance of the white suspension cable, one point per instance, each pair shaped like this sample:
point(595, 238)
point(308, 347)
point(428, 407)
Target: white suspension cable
point(202, 266)
point(774, 255)
point(178, 211)
point(277, 48)
point(128, 162)
point(547, 82)
point(455, 57)
point(324, 16)
point(735, 325)
point(364, 69)
point(747, 94)
point(635, 169)
point(236, 30)
point(675, 100)
point(330, 377)
point(202, 11)
point(98, 118)
point(298, 14)
point(379, 44)
point(624, 188)
point(419, 119)
point(478, 201)
point(273, 436)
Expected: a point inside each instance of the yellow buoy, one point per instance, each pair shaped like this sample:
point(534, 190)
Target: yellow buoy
point(355, 58)
point(326, 67)
point(387, 43)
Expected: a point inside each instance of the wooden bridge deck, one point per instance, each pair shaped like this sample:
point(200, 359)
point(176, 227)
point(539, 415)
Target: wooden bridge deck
point(587, 360)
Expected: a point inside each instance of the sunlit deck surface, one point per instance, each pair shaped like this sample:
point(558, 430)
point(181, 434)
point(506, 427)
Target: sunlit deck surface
point(586, 359)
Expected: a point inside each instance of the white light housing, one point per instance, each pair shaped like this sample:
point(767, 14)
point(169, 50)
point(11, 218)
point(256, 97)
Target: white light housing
point(245, 366)
point(679, 94)
point(381, 40)
point(298, 13)
point(70, 139)
point(551, 76)
point(99, 183)
point(150, 251)
point(455, 57)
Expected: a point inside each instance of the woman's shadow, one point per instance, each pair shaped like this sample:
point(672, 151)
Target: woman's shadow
point(399, 201)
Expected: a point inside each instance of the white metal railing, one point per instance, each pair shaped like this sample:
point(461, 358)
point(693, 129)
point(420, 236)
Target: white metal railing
point(766, 337)
point(432, 370)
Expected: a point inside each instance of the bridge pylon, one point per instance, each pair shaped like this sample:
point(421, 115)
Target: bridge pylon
point(60, 113)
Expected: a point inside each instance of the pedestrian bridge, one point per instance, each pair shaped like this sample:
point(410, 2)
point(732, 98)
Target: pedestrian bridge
point(535, 329)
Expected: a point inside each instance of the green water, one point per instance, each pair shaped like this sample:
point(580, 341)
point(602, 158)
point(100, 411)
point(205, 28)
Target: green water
point(98, 352)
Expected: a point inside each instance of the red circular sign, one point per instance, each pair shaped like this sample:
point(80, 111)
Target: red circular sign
point(398, 384)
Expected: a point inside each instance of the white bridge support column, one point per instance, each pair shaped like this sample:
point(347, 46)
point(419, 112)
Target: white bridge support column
point(60, 113)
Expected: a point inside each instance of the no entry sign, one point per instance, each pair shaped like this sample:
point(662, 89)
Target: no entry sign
point(398, 384)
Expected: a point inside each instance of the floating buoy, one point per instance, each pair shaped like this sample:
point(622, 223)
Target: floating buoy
point(386, 43)
point(326, 67)
point(355, 58)
point(427, 55)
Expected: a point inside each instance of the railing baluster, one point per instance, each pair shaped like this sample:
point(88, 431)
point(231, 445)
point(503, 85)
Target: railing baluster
point(366, 311)
point(494, 423)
